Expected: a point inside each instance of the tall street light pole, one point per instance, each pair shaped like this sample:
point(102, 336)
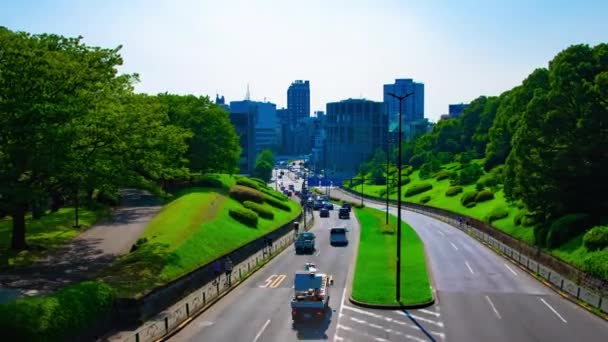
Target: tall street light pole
point(386, 179)
point(400, 98)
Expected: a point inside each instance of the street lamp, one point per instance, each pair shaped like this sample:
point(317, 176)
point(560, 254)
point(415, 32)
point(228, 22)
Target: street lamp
point(400, 98)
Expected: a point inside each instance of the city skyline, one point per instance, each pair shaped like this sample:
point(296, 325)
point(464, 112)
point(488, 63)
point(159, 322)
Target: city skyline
point(346, 49)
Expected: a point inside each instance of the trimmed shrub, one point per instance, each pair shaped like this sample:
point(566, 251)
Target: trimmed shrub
point(531, 219)
point(259, 209)
point(276, 203)
point(404, 180)
point(468, 197)
point(469, 174)
point(596, 238)
point(425, 199)
point(470, 205)
point(248, 183)
point(566, 228)
point(496, 214)
point(488, 181)
point(517, 219)
point(58, 317)
point(245, 216)
point(453, 190)
point(357, 205)
point(483, 196)
point(275, 194)
point(418, 189)
point(207, 181)
point(479, 186)
point(596, 264)
point(242, 193)
point(441, 175)
point(259, 181)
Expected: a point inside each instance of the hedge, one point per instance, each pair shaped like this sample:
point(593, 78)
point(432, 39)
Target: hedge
point(57, 317)
point(596, 263)
point(258, 208)
point(596, 238)
point(245, 216)
point(248, 183)
point(566, 228)
point(418, 189)
point(207, 181)
point(425, 199)
point(453, 190)
point(405, 180)
point(468, 197)
point(275, 194)
point(496, 214)
point(276, 203)
point(483, 196)
point(243, 193)
point(441, 175)
point(470, 205)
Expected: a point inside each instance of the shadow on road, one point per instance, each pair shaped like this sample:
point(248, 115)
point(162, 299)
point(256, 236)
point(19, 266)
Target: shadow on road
point(313, 330)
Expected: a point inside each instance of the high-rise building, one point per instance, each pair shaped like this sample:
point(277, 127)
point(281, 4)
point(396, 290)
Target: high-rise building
point(413, 106)
point(355, 129)
point(455, 110)
point(298, 100)
point(221, 101)
point(244, 124)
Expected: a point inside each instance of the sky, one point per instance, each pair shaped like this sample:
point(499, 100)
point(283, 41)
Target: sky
point(346, 48)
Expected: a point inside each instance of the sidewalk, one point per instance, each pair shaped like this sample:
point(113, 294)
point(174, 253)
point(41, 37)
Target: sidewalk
point(91, 251)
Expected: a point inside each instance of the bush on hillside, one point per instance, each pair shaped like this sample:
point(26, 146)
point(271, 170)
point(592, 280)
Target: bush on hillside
point(596, 264)
point(207, 181)
point(470, 205)
point(275, 194)
point(566, 228)
point(260, 181)
point(243, 193)
point(248, 183)
point(479, 186)
point(596, 238)
point(405, 180)
point(57, 317)
point(469, 174)
point(276, 203)
point(245, 216)
point(483, 196)
point(259, 209)
point(496, 214)
point(417, 160)
point(418, 189)
point(488, 181)
point(518, 217)
point(443, 174)
point(468, 197)
point(425, 199)
point(453, 190)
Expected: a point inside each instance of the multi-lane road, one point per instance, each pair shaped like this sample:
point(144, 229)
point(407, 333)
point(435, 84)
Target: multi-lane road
point(480, 297)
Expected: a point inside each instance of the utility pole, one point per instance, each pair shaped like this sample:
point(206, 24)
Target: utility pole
point(401, 98)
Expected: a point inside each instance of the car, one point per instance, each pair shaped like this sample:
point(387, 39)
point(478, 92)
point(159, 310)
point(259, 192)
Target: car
point(346, 206)
point(337, 236)
point(305, 242)
point(344, 213)
point(324, 212)
point(317, 205)
point(329, 205)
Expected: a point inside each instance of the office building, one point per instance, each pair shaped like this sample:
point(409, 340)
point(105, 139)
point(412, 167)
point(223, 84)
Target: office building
point(413, 106)
point(355, 128)
point(298, 100)
point(455, 110)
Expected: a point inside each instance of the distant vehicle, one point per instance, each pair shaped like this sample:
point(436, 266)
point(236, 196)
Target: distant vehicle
point(324, 198)
point(317, 205)
point(337, 236)
point(310, 294)
point(305, 242)
point(344, 213)
point(346, 206)
point(292, 187)
point(281, 176)
point(324, 212)
point(329, 205)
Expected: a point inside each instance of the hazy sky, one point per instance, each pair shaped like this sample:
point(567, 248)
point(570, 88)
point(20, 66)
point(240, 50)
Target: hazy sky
point(458, 49)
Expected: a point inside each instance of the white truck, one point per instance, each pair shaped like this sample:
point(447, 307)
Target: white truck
point(311, 294)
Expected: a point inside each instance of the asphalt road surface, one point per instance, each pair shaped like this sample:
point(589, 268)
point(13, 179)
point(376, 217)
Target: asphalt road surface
point(484, 297)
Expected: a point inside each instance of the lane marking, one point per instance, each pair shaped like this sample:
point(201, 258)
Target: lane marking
point(278, 281)
point(554, 311)
point(510, 269)
point(318, 252)
point(469, 267)
point(413, 319)
point(261, 331)
point(440, 233)
point(269, 280)
point(342, 303)
point(493, 307)
point(338, 338)
point(392, 320)
point(429, 312)
point(453, 245)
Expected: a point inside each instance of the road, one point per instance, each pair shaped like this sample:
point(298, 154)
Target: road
point(484, 297)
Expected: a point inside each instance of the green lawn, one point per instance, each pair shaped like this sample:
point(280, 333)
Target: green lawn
point(191, 231)
point(47, 233)
point(374, 280)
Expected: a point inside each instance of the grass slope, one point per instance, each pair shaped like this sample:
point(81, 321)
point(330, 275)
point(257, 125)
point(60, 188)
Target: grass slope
point(191, 231)
point(47, 233)
point(374, 280)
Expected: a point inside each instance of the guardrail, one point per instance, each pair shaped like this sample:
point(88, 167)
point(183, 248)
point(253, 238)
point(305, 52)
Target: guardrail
point(193, 304)
point(527, 256)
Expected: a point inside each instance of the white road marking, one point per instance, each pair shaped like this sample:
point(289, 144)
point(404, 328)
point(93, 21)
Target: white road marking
point(440, 233)
point(387, 331)
point(469, 267)
point(493, 307)
point(338, 338)
point(424, 319)
point(261, 331)
point(342, 302)
point(429, 312)
point(392, 320)
point(318, 252)
point(554, 311)
point(453, 245)
point(510, 269)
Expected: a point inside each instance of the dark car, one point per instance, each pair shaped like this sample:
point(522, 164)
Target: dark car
point(337, 236)
point(305, 242)
point(317, 205)
point(346, 206)
point(329, 205)
point(344, 213)
point(324, 212)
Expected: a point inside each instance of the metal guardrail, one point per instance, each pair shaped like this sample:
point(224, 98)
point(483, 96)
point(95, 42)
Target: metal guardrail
point(164, 323)
point(563, 283)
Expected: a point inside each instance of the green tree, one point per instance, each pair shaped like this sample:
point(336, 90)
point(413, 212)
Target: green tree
point(263, 165)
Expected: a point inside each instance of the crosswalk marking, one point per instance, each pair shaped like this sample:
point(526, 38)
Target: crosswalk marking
point(396, 321)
